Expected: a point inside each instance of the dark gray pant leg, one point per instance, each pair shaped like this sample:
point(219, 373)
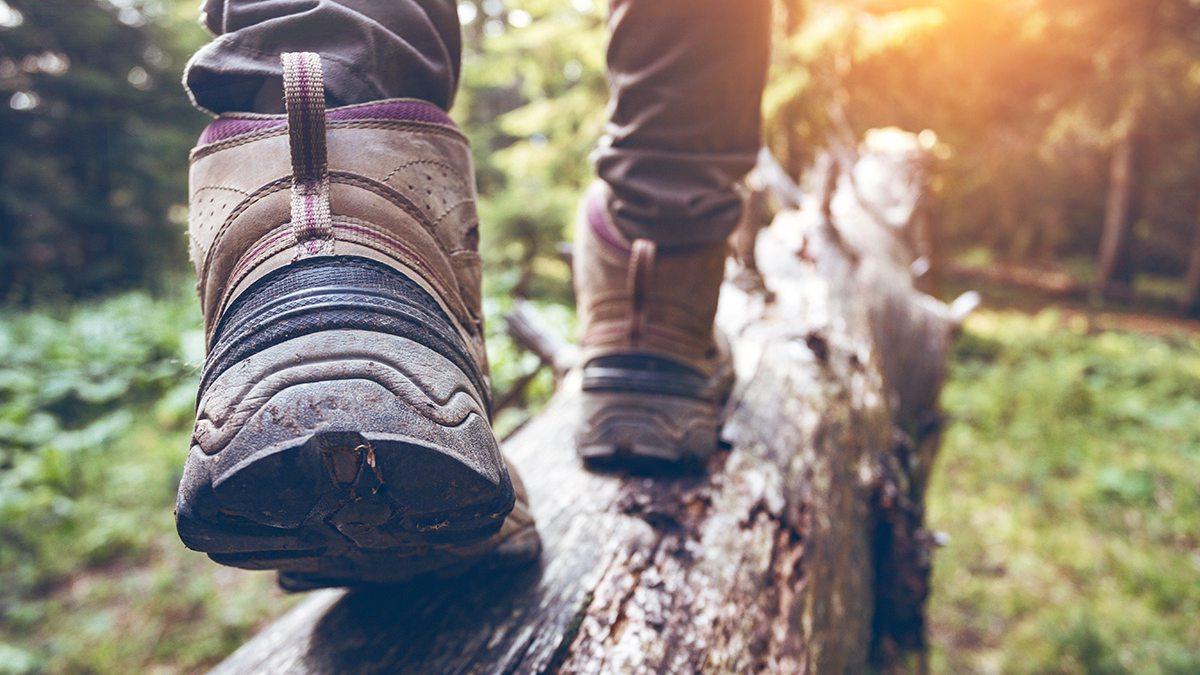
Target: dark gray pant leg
point(687, 78)
point(370, 49)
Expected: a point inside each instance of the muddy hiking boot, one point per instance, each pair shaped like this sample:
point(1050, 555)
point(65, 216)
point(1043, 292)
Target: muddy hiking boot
point(656, 374)
point(342, 429)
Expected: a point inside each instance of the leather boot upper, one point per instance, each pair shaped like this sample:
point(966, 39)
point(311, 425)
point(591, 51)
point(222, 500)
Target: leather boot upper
point(390, 180)
point(637, 299)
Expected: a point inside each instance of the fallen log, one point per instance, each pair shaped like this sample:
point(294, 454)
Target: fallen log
point(802, 548)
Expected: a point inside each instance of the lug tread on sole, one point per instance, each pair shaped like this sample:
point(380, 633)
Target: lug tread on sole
point(345, 507)
point(647, 432)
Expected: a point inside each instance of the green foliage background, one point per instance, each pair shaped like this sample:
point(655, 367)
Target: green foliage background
point(1069, 478)
point(94, 144)
point(1028, 98)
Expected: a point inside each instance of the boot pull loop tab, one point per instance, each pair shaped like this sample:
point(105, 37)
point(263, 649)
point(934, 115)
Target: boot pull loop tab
point(641, 270)
point(304, 96)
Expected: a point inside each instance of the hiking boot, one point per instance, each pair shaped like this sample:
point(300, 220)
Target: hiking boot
point(342, 429)
point(656, 373)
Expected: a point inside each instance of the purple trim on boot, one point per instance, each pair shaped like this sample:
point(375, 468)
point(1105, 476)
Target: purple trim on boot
point(226, 127)
point(597, 217)
point(409, 110)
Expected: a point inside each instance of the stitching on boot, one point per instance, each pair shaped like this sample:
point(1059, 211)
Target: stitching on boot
point(350, 230)
point(450, 290)
point(422, 162)
point(218, 237)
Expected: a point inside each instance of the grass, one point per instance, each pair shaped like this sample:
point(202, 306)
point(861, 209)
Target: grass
point(1069, 485)
point(95, 413)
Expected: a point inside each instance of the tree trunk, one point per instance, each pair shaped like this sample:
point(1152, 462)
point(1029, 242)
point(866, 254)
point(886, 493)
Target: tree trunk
point(1114, 267)
point(1191, 296)
point(800, 550)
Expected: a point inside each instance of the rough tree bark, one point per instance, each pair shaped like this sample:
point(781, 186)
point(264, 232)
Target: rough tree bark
point(801, 550)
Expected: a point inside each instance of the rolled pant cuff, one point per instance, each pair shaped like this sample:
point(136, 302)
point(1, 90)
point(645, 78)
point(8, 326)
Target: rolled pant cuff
point(673, 199)
point(677, 232)
point(227, 77)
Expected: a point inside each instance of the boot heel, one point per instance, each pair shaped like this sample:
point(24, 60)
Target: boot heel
point(348, 454)
point(631, 429)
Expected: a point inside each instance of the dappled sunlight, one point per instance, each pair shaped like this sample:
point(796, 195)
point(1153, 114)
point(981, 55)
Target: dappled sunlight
point(1043, 153)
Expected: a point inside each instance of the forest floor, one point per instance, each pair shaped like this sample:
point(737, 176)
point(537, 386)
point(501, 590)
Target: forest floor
point(1069, 486)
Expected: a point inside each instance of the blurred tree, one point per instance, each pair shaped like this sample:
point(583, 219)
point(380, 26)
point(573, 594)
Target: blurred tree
point(532, 102)
point(1191, 295)
point(94, 135)
point(1058, 116)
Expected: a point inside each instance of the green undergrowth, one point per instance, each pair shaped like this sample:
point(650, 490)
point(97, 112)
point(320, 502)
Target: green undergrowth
point(1069, 485)
point(95, 413)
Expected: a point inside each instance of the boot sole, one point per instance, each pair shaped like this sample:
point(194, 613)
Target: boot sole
point(647, 432)
point(341, 458)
